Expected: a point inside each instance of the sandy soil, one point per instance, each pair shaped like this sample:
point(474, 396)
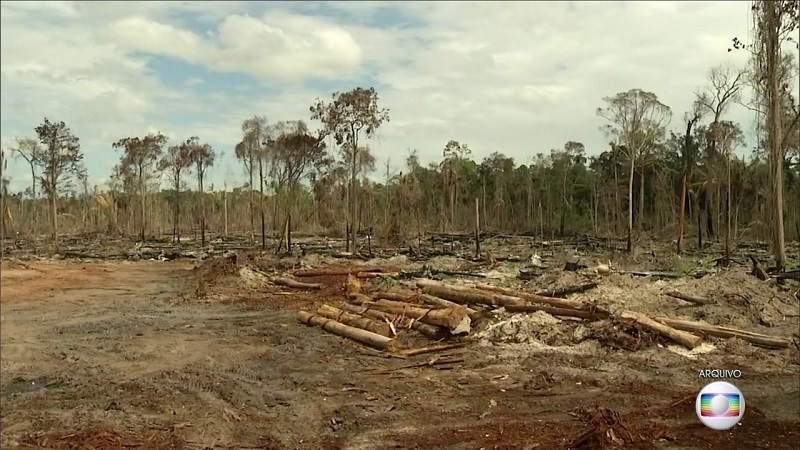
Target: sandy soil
point(124, 355)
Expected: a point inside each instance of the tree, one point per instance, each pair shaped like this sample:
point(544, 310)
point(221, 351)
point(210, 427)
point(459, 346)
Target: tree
point(138, 160)
point(638, 119)
point(61, 159)
point(175, 162)
point(728, 135)
point(251, 151)
point(348, 116)
point(31, 151)
point(295, 152)
point(725, 82)
point(691, 119)
point(775, 21)
point(454, 153)
point(3, 193)
point(202, 156)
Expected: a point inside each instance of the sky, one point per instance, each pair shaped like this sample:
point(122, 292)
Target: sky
point(513, 77)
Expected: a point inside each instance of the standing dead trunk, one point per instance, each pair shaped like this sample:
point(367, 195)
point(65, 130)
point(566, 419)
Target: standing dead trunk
point(261, 203)
point(684, 179)
point(630, 200)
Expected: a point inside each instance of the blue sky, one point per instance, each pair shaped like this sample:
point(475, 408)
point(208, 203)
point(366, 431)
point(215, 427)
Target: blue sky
point(519, 78)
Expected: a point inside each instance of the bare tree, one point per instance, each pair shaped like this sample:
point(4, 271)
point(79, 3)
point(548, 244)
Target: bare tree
point(295, 152)
point(202, 156)
point(61, 159)
point(345, 118)
point(31, 151)
point(141, 155)
point(724, 87)
point(252, 151)
point(175, 162)
point(728, 135)
point(775, 21)
point(638, 118)
point(691, 119)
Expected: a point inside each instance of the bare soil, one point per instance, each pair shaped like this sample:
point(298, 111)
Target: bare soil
point(155, 354)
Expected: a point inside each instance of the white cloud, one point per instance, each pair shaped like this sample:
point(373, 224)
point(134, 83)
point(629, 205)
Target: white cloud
point(516, 77)
point(278, 45)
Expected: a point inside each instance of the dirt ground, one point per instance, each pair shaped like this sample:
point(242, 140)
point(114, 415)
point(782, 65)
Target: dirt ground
point(142, 354)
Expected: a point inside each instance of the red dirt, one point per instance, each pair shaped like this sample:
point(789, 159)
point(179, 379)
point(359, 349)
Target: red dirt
point(93, 347)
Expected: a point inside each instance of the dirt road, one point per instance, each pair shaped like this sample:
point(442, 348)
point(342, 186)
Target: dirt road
point(114, 355)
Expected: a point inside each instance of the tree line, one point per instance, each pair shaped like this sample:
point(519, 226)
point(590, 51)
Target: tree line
point(654, 179)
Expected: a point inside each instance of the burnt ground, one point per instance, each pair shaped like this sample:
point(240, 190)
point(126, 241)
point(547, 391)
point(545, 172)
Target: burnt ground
point(154, 354)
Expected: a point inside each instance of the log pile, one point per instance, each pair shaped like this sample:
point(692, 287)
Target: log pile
point(440, 311)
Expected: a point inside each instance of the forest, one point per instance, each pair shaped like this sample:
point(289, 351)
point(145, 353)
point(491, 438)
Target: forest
point(677, 172)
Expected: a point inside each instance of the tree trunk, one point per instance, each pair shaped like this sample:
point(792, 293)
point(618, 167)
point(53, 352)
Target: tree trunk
point(261, 203)
point(354, 195)
point(176, 228)
point(252, 206)
point(141, 201)
point(728, 210)
point(202, 209)
point(773, 59)
point(640, 209)
point(33, 203)
point(630, 201)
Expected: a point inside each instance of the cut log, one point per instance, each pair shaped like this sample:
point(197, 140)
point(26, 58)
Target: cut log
point(442, 303)
point(467, 296)
point(454, 319)
point(580, 313)
point(365, 337)
point(561, 292)
point(434, 332)
point(354, 320)
point(762, 340)
point(413, 297)
point(288, 282)
point(409, 297)
point(333, 271)
point(696, 299)
point(688, 340)
point(550, 301)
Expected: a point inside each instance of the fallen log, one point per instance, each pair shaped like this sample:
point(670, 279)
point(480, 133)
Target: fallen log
point(696, 299)
point(454, 319)
point(431, 349)
point(413, 297)
point(561, 292)
point(688, 340)
point(466, 296)
point(436, 301)
point(354, 320)
point(356, 334)
point(409, 297)
point(333, 271)
point(434, 332)
point(288, 282)
point(551, 301)
point(762, 340)
point(569, 312)
point(377, 274)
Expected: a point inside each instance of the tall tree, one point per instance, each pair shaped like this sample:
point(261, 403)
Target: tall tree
point(691, 119)
point(176, 162)
point(31, 151)
point(724, 88)
point(139, 157)
point(202, 156)
point(252, 152)
point(295, 152)
point(728, 135)
point(349, 116)
point(61, 159)
point(775, 21)
point(453, 155)
point(639, 119)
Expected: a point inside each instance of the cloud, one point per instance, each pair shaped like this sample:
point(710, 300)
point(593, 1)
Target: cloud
point(516, 77)
point(279, 45)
